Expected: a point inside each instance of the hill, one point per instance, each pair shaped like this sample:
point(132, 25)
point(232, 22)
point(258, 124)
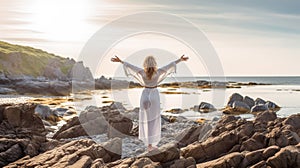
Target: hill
point(20, 61)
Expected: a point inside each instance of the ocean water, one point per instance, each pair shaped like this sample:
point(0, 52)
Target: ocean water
point(274, 80)
point(284, 91)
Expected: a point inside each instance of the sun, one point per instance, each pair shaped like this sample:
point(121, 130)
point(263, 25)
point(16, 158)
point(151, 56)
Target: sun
point(60, 20)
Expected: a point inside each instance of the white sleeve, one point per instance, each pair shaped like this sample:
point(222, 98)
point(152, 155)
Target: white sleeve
point(134, 71)
point(166, 70)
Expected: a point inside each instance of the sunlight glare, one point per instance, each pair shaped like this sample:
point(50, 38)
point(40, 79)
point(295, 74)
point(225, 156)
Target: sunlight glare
point(61, 20)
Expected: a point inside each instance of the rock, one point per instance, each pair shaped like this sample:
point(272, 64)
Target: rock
point(249, 101)
point(119, 127)
point(72, 129)
point(145, 162)
point(55, 88)
point(293, 120)
point(168, 118)
point(96, 120)
point(252, 158)
point(270, 151)
point(212, 148)
point(261, 164)
point(265, 117)
point(117, 105)
point(4, 90)
point(192, 134)
point(206, 107)
point(230, 160)
point(259, 101)
point(80, 73)
point(79, 153)
point(257, 141)
point(271, 105)
point(184, 162)
point(234, 97)
point(45, 113)
point(259, 108)
point(240, 107)
point(121, 163)
point(113, 148)
point(165, 153)
point(21, 132)
point(287, 157)
point(175, 111)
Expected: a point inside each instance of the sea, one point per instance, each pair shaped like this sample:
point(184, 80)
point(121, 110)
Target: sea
point(282, 90)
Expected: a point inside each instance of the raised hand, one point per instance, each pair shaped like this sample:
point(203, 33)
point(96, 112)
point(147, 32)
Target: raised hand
point(116, 59)
point(183, 58)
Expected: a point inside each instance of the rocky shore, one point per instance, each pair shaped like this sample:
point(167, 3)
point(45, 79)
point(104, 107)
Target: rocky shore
point(266, 141)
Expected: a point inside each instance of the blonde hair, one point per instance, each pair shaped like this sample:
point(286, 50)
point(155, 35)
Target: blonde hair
point(150, 66)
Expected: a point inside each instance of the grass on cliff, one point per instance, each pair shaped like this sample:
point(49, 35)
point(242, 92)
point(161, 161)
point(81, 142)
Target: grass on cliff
point(27, 60)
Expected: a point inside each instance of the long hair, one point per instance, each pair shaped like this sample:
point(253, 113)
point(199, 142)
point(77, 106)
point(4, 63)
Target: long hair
point(150, 66)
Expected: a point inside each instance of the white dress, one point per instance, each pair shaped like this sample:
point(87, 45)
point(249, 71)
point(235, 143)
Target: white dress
point(149, 114)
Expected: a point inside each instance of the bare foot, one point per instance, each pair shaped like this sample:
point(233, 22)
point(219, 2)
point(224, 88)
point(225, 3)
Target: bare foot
point(150, 148)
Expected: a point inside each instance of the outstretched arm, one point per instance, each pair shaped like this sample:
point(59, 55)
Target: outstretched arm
point(116, 59)
point(182, 58)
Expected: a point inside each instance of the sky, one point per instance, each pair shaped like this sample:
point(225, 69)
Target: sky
point(251, 38)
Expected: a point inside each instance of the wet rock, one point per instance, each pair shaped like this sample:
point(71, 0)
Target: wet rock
point(249, 101)
point(259, 101)
point(259, 108)
point(45, 113)
point(234, 97)
point(205, 107)
point(175, 111)
point(240, 106)
point(4, 90)
point(271, 105)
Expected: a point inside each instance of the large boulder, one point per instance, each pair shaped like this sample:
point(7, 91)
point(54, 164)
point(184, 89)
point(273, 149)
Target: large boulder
point(205, 107)
point(234, 97)
point(21, 132)
point(97, 120)
point(249, 101)
point(240, 107)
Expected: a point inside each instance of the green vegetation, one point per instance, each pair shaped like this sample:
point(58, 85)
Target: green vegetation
point(24, 60)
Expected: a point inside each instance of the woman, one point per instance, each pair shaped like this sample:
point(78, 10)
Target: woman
point(149, 77)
